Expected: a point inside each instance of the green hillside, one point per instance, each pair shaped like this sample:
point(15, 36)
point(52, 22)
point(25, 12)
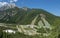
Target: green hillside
point(29, 23)
point(22, 16)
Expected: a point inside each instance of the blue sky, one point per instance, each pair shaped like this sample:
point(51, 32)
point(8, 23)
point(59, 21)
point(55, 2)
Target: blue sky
point(52, 6)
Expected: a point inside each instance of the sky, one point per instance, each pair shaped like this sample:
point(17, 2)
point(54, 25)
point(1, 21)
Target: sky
point(52, 6)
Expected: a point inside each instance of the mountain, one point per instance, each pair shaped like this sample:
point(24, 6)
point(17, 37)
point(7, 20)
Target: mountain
point(21, 15)
point(7, 6)
point(30, 23)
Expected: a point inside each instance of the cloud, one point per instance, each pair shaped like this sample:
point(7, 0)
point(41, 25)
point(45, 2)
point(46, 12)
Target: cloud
point(3, 3)
point(13, 0)
point(6, 3)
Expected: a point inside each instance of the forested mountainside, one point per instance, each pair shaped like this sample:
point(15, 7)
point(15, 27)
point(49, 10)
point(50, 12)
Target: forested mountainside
point(25, 16)
point(28, 23)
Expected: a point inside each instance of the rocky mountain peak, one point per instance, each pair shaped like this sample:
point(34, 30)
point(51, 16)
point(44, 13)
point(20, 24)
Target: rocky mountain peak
point(7, 6)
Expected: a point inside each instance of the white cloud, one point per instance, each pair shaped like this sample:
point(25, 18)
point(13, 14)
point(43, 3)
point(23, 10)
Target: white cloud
point(8, 4)
point(3, 3)
point(13, 0)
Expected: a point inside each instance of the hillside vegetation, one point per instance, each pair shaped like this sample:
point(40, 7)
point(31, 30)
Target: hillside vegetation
point(29, 23)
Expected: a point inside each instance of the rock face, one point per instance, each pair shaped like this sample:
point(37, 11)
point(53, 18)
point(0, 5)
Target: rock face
point(42, 15)
point(7, 6)
point(25, 8)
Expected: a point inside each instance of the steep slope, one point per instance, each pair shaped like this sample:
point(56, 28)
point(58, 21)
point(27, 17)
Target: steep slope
point(30, 23)
point(21, 16)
